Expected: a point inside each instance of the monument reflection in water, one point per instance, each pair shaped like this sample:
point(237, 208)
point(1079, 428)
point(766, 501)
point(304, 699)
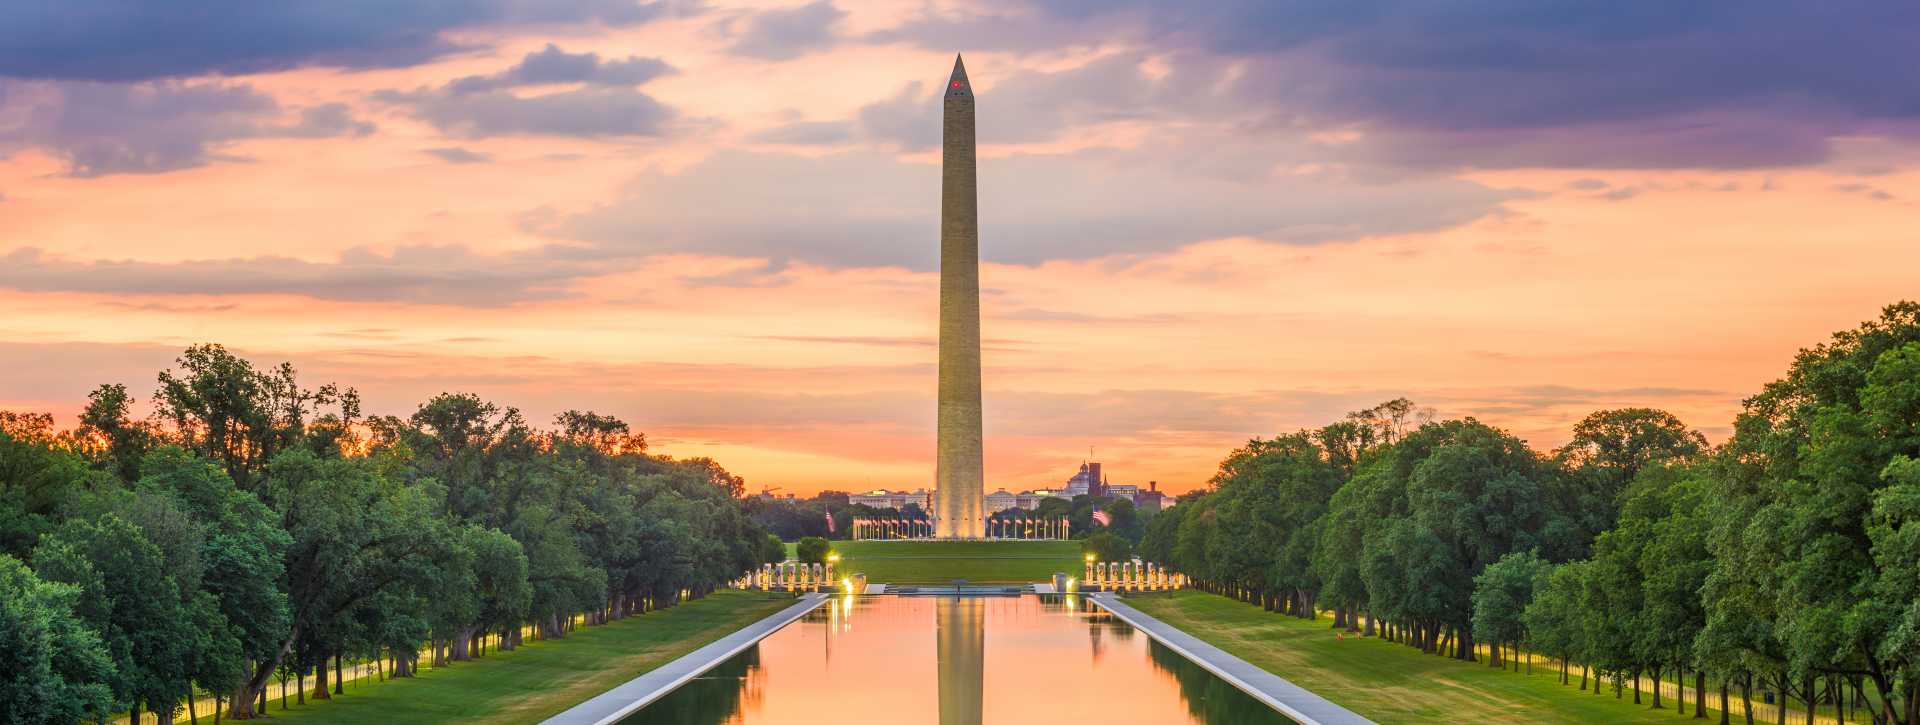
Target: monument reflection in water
point(962, 635)
point(957, 661)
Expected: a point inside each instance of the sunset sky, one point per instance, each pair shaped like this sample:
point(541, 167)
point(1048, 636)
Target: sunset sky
point(1200, 222)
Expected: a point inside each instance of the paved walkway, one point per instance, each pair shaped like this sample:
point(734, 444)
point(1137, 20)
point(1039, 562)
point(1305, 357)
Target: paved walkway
point(1290, 699)
point(641, 691)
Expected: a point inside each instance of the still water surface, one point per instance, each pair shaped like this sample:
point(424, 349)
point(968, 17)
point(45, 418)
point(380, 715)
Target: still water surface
point(957, 661)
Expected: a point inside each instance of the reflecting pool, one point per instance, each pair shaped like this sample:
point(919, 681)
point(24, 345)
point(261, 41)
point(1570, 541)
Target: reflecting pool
point(957, 661)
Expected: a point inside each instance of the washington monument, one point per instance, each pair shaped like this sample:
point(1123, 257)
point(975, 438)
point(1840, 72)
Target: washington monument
point(959, 486)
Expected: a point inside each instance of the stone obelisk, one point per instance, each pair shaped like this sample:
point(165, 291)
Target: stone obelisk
point(959, 484)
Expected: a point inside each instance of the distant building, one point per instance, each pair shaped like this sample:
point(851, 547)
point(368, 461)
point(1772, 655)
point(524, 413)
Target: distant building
point(1151, 498)
point(1030, 500)
point(1087, 481)
point(884, 499)
point(1123, 490)
point(1001, 500)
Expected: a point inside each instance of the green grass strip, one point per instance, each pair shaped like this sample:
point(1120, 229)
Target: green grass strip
point(541, 678)
point(1388, 682)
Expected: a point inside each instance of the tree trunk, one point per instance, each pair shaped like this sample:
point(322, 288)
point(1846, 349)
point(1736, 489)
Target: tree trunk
point(133, 713)
point(1725, 714)
point(193, 713)
point(1700, 694)
point(256, 685)
point(462, 644)
point(1839, 700)
point(1812, 700)
point(320, 680)
point(1780, 712)
point(1746, 696)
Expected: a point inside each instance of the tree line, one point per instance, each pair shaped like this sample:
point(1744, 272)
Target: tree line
point(253, 528)
point(795, 518)
point(1784, 560)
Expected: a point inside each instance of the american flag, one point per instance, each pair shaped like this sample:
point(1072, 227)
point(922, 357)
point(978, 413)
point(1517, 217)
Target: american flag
point(1103, 518)
point(829, 523)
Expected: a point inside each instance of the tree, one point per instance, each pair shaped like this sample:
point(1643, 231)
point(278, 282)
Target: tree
point(1610, 447)
point(126, 595)
point(500, 571)
point(225, 409)
point(257, 528)
point(812, 550)
point(1287, 483)
point(1813, 451)
point(355, 535)
point(1500, 597)
point(38, 479)
point(1894, 528)
point(772, 550)
point(604, 433)
point(1619, 443)
point(240, 610)
point(115, 440)
point(1433, 510)
point(1670, 504)
point(1553, 619)
point(1105, 546)
point(1163, 530)
point(57, 669)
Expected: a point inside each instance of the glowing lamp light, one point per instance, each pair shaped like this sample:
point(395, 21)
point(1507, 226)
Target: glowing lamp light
point(1089, 557)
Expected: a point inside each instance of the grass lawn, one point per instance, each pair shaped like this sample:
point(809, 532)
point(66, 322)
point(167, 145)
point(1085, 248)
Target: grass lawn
point(541, 678)
point(941, 562)
point(1388, 682)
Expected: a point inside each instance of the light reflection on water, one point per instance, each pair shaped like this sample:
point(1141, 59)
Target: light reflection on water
point(957, 661)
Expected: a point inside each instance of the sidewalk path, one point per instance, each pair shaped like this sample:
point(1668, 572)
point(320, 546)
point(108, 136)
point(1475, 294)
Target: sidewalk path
point(1290, 699)
point(619, 702)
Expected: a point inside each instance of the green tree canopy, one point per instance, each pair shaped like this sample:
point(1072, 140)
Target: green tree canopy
point(57, 670)
point(812, 550)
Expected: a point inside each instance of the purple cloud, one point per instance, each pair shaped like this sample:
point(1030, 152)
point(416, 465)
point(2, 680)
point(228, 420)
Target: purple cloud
point(1638, 83)
point(109, 128)
point(127, 40)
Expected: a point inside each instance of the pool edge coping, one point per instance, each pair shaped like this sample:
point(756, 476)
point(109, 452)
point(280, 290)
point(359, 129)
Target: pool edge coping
point(694, 664)
point(1334, 713)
